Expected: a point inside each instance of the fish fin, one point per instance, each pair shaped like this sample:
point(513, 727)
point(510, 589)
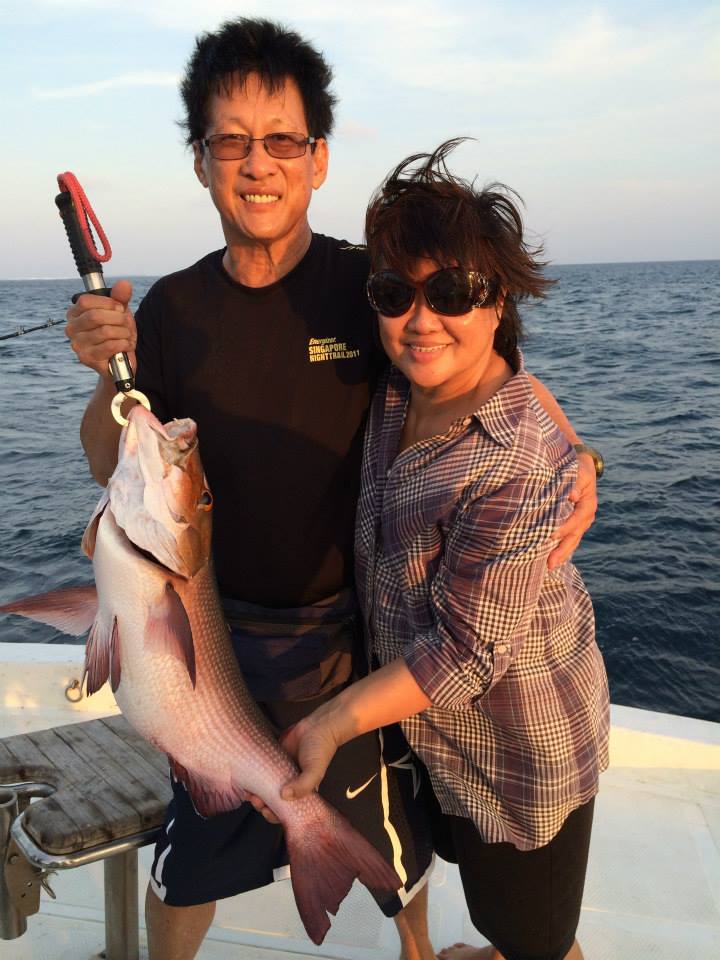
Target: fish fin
point(326, 855)
point(207, 799)
point(71, 610)
point(90, 535)
point(102, 656)
point(168, 628)
point(114, 656)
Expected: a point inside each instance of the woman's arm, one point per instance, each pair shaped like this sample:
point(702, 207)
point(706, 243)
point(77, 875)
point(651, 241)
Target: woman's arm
point(484, 596)
point(385, 696)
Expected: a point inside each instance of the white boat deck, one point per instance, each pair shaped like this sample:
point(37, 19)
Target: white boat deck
point(653, 887)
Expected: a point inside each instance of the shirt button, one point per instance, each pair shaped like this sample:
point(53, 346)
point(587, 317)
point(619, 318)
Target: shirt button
point(501, 648)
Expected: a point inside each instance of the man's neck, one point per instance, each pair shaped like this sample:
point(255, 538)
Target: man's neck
point(256, 264)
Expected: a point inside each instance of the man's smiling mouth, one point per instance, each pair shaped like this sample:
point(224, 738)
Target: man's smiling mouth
point(260, 197)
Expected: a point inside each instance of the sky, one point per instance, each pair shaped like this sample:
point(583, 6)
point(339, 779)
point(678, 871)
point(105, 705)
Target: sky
point(602, 116)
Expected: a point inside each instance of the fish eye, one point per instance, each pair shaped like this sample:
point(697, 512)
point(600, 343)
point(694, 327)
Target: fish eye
point(206, 499)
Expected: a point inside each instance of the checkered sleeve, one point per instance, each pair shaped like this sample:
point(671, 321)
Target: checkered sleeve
point(486, 588)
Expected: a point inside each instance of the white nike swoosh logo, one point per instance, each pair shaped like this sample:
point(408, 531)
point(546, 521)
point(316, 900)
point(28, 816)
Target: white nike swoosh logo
point(351, 794)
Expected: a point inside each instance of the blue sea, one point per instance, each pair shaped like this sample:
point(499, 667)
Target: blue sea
point(631, 350)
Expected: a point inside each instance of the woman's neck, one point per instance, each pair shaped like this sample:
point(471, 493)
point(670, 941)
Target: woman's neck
point(431, 410)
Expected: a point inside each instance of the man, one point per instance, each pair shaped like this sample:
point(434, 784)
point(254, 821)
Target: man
point(268, 345)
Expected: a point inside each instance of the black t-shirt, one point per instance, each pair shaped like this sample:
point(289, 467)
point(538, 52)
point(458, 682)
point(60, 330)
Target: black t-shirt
point(279, 380)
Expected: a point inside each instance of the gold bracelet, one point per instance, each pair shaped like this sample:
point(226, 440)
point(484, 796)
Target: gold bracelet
point(597, 457)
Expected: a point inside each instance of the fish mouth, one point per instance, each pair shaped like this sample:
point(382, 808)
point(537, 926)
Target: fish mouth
point(176, 439)
point(154, 494)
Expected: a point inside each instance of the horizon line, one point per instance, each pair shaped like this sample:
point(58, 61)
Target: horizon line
point(552, 263)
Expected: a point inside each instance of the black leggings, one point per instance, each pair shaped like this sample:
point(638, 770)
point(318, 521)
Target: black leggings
point(525, 902)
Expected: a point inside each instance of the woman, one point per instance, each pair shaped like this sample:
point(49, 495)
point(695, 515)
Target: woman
point(486, 656)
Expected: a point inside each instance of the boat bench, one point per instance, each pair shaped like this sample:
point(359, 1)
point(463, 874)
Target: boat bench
point(100, 793)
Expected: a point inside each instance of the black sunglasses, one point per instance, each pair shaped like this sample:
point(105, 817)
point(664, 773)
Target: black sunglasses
point(451, 291)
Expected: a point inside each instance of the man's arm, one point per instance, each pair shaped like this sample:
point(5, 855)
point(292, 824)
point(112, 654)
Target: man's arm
point(583, 494)
point(98, 328)
point(100, 432)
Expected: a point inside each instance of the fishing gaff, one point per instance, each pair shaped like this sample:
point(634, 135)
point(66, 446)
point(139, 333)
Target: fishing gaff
point(72, 202)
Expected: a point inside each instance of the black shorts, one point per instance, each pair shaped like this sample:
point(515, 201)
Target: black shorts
point(372, 780)
point(525, 902)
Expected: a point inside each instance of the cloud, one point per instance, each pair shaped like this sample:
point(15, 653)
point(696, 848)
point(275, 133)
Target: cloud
point(142, 79)
point(587, 49)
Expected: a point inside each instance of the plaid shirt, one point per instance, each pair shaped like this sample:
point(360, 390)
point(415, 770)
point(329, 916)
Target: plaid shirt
point(451, 549)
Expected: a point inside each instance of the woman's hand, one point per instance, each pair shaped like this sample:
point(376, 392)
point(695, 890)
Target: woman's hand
point(584, 496)
point(312, 743)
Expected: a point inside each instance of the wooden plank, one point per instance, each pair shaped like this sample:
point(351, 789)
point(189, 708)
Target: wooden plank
point(133, 751)
point(110, 783)
point(121, 778)
point(86, 800)
point(22, 760)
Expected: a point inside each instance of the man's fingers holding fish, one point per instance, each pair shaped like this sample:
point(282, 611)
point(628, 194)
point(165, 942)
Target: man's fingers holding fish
point(262, 808)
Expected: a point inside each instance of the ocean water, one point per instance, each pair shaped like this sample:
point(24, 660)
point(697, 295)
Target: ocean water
point(632, 351)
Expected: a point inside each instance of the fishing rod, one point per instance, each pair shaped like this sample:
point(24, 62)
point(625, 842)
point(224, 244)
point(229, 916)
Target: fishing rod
point(21, 331)
point(72, 202)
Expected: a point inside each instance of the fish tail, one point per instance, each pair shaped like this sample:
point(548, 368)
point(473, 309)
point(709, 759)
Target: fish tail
point(326, 855)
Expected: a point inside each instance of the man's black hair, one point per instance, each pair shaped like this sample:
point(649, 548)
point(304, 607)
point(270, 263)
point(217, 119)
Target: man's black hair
point(225, 58)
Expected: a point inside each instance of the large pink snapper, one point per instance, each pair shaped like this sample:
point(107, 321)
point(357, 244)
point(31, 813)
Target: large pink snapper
point(158, 633)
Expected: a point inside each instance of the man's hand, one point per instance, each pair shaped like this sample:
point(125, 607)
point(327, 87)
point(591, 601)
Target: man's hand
point(99, 327)
point(260, 806)
point(584, 496)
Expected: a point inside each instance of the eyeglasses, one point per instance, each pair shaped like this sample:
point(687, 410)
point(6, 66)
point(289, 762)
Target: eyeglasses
point(236, 146)
point(451, 291)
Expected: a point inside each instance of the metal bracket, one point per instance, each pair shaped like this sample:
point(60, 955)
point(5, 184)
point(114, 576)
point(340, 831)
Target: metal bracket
point(23, 881)
point(20, 881)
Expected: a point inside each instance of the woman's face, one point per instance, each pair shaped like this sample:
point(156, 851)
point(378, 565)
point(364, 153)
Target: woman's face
point(445, 355)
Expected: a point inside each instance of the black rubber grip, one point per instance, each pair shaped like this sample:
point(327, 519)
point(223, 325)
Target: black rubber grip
point(102, 292)
point(83, 261)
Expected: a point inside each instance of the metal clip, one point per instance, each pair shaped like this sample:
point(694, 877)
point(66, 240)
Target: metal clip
point(45, 883)
point(117, 402)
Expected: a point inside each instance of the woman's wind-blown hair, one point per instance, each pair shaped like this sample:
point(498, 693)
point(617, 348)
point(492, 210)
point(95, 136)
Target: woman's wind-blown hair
point(422, 211)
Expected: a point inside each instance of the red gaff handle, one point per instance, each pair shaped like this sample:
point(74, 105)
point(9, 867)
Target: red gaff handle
point(68, 183)
point(77, 215)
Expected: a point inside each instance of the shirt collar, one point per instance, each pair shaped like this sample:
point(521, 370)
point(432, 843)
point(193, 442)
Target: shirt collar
point(501, 414)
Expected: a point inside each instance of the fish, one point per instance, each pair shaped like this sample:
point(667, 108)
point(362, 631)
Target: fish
point(158, 634)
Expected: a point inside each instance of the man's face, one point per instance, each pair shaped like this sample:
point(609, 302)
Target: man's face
point(261, 199)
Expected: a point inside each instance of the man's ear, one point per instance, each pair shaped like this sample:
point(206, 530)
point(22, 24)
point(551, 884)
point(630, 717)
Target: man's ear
point(321, 157)
point(199, 162)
